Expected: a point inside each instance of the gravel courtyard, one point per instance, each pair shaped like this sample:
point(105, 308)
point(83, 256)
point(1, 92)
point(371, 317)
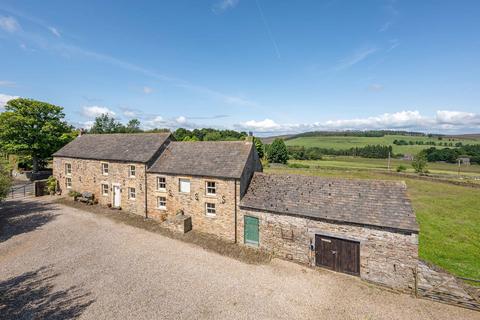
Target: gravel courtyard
point(58, 262)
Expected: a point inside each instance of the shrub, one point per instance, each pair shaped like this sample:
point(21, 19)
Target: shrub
point(74, 194)
point(298, 165)
point(277, 152)
point(5, 180)
point(401, 168)
point(51, 185)
point(419, 163)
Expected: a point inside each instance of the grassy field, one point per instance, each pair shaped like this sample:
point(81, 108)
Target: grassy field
point(446, 169)
point(448, 215)
point(342, 142)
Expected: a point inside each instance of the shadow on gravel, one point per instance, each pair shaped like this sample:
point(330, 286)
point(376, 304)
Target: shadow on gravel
point(32, 296)
point(22, 216)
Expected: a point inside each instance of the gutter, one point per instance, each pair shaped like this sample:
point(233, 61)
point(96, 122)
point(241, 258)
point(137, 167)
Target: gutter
point(146, 193)
point(235, 210)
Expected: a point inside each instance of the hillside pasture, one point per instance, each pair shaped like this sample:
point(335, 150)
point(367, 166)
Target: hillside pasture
point(347, 142)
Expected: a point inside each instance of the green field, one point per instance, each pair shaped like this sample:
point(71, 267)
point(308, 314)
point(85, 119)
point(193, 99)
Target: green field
point(448, 215)
point(342, 142)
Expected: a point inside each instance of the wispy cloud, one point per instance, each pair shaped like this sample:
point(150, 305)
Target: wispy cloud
point(9, 24)
point(443, 120)
point(55, 31)
point(393, 43)
point(358, 56)
point(375, 87)
point(224, 5)
point(66, 49)
point(267, 27)
point(6, 83)
point(147, 90)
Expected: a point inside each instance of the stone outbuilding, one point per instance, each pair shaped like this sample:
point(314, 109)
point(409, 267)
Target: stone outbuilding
point(360, 227)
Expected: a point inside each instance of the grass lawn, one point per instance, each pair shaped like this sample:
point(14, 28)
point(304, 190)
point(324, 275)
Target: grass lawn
point(342, 142)
point(448, 215)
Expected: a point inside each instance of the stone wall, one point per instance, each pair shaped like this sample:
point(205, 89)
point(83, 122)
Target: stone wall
point(193, 203)
point(87, 177)
point(387, 258)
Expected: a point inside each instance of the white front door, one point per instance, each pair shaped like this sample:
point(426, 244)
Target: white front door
point(116, 196)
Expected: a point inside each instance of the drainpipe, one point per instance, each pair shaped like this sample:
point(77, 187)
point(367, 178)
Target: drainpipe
point(146, 193)
point(235, 210)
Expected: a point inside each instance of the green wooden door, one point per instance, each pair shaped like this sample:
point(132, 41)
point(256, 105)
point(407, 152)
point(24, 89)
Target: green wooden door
point(250, 234)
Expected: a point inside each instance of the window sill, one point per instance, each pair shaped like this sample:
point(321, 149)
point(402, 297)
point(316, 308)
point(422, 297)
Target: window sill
point(211, 216)
point(162, 209)
point(161, 190)
point(211, 195)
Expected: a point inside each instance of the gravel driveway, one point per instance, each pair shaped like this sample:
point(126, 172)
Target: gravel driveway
point(59, 262)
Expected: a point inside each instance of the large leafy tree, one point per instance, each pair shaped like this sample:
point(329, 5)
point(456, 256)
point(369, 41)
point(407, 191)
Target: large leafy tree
point(33, 128)
point(277, 152)
point(106, 124)
point(419, 163)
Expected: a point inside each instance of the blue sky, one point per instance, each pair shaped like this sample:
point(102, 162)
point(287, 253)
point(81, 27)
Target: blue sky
point(263, 65)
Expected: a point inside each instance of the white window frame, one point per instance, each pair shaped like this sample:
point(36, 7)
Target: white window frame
point(105, 166)
point(68, 171)
point(164, 183)
point(130, 189)
point(164, 206)
point(103, 190)
point(67, 180)
point(180, 185)
point(210, 211)
point(209, 188)
point(130, 171)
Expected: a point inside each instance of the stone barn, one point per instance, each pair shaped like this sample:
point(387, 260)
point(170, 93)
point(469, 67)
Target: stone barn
point(365, 228)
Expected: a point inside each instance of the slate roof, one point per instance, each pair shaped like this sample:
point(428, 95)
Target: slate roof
point(364, 202)
point(134, 147)
point(224, 159)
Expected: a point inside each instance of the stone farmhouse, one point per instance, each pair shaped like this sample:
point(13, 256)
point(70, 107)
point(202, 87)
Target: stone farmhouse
point(364, 228)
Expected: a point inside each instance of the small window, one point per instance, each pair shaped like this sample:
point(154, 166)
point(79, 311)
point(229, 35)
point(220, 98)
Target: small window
point(161, 184)
point(210, 209)
point(162, 203)
point(131, 193)
point(131, 171)
point(68, 169)
point(184, 185)
point(211, 188)
point(104, 189)
point(68, 183)
point(105, 168)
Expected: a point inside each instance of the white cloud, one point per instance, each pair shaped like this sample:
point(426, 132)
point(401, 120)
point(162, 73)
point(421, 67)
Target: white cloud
point(224, 5)
point(4, 98)
point(55, 31)
point(453, 121)
point(181, 120)
point(147, 90)
point(95, 111)
point(457, 118)
point(129, 113)
point(9, 24)
point(358, 56)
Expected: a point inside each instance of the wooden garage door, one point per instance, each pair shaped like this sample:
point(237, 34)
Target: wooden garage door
point(337, 254)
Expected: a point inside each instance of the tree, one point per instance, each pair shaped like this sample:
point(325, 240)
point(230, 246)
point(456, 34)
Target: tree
point(133, 126)
point(259, 146)
point(419, 163)
point(277, 152)
point(106, 124)
point(5, 180)
point(33, 128)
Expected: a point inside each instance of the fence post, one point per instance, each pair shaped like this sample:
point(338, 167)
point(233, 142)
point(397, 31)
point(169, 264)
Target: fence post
point(415, 276)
